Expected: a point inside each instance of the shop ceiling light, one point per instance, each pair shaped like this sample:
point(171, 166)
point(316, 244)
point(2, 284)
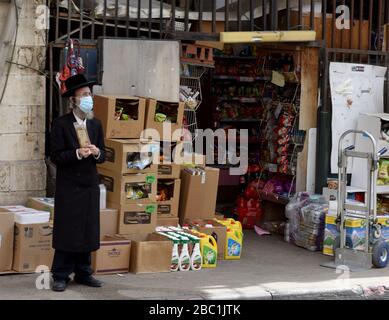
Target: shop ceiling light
point(268, 36)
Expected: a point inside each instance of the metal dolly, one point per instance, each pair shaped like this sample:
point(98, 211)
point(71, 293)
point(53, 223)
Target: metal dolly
point(376, 252)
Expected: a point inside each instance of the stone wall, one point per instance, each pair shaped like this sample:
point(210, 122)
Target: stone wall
point(22, 112)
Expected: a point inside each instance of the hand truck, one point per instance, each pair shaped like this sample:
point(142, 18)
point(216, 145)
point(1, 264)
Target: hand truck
point(376, 249)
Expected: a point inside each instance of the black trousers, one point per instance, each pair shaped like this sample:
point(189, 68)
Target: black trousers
point(65, 263)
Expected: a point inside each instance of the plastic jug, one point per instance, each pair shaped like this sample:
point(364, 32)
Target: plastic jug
point(234, 243)
point(231, 223)
point(208, 247)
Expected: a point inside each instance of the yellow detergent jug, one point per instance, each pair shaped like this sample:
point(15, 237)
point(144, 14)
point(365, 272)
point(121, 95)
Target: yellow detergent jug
point(234, 244)
point(208, 248)
point(229, 222)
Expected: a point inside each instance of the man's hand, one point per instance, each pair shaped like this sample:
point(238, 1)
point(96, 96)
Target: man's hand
point(84, 152)
point(94, 150)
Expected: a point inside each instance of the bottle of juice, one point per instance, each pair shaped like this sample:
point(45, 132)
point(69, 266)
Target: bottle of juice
point(234, 242)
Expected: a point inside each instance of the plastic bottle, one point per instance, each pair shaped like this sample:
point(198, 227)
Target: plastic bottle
point(234, 243)
point(175, 264)
point(209, 251)
point(103, 197)
point(196, 259)
point(175, 255)
point(184, 261)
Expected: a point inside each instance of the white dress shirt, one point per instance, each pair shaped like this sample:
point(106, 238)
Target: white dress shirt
point(82, 122)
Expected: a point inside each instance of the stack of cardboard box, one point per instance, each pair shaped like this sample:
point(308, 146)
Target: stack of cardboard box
point(25, 239)
point(130, 175)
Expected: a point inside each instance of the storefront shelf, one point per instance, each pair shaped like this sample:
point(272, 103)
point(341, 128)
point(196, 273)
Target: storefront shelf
point(241, 78)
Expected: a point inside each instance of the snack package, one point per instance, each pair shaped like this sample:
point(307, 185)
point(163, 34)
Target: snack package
point(383, 175)
point(82, 135)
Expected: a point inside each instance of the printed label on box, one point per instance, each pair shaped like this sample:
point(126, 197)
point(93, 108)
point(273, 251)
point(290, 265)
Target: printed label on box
point(137, 218)
point(114, 252)
point(150, 209)
point(109, 154)
point(150, 179)
point(164, 169)
point(164, 208)
point(107, 181)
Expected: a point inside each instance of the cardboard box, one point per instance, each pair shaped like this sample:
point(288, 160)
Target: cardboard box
point(33, 246)
point(355, 234)
point(169, 171)
point(198, 194)
point(6, 240)
point(113, 256)
point(175, 124)
point(42, 204)
point(169, 208)
point(151, 253)
point(167, 222)
point(119, 152)
point(119, 187)
point(136, 218)
point(109, 219)
point(15, 209)
point(105, 107)
point(218, 231)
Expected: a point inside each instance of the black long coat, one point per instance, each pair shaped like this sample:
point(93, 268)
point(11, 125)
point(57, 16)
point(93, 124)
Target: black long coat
point(77, 195)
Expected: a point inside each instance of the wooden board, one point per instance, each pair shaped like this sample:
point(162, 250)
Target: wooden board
point(308, 107)
point(151, 66)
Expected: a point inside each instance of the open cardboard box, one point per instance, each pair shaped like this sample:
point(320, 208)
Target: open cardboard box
point(109, 219)
point(120, 188)
point(198, 194)
point(169, 207)
point(136, 218)
point(218, 231)
point(167, 222)
point(113, 256)
point(118, 152)
point(150, 253)
point(42, 204)
point(174, 112)
point(105, 110)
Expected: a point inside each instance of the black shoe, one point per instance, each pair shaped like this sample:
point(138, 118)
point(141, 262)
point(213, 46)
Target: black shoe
point(89, 281)
point(59, 285)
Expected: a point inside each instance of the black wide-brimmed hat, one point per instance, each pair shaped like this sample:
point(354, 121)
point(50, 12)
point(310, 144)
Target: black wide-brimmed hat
point(76, 82)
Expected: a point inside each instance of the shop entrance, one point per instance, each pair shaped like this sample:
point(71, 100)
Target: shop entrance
point(271, 91)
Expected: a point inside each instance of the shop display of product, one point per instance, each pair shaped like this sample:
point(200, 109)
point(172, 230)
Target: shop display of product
point(136, 160)
point(136, 192)
point(383, 172)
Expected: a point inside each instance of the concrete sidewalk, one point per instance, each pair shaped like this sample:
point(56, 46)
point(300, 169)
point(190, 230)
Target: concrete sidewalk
point(269, 269)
